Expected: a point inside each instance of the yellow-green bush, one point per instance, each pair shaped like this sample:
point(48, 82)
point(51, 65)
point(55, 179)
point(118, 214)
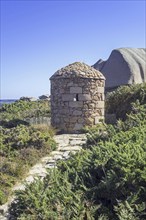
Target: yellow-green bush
point(120, 101)
point(21, 145)
point(106, 180)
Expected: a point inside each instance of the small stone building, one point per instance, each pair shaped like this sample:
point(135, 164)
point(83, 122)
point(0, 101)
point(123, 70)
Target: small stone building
point(77, 97)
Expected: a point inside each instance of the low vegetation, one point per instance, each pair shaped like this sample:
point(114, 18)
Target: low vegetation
point(105, 181)
point(24, 109)
point(21, 144)
point(120, 101)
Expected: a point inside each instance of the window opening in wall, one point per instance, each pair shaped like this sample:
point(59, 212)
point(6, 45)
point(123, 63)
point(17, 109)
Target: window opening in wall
point(76, 98)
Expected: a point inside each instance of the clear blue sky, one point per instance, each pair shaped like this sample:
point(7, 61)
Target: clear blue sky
point(40, 37)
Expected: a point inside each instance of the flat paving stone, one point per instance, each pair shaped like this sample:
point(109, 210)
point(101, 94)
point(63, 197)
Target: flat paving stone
point(77, 138)
point(29, 179)
point(42, 174)
point(3, 208)
point(50, 161)
point(50, 166)
point(3, 217)
point(55, 153)
point(57, 157)
point(76, 142)
point(38, 165)
point(45, 159)
point(19, 187)
point(37, 171)
point(71, 148)
point(66, 153)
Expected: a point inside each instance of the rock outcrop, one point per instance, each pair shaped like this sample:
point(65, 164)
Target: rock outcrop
point(44, 97)
point(124, 66)
point(25, 98)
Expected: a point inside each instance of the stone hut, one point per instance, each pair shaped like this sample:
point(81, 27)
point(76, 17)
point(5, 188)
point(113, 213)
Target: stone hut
point(77, 97)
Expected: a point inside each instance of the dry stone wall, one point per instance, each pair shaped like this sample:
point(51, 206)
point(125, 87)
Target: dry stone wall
point(76, 102)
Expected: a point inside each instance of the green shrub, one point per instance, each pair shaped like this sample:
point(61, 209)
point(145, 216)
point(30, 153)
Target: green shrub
point(106, 180)
point(21, 147)
point(24, 109)
point(120, 101)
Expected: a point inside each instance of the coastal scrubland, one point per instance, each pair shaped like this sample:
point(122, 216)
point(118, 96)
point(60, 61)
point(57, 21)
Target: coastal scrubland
point(21, 144)
point(106, 180)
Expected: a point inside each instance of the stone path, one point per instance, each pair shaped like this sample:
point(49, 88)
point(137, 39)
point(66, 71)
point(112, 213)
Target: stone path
point(66, 144)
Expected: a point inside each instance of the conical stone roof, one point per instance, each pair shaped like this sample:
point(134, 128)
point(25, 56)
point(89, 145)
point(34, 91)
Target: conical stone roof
point(77, 69)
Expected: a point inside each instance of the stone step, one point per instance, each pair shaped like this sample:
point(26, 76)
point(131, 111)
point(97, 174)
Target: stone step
point(19, 187)
point(38, 165)
point(77, 138)
point(3, 217)
point(3, 209)
point(49, 166)
point(38, 170)
point(42, 175)
point(50, 161)
point(56, 153)
point(77, 142)
point(57, 157)
point(46, 159)
point(62, 143)
point(66, 154)
point(29, 179)
point(71, 148)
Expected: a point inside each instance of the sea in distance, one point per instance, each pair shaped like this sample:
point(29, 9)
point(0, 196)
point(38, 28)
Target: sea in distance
point(7, 101)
